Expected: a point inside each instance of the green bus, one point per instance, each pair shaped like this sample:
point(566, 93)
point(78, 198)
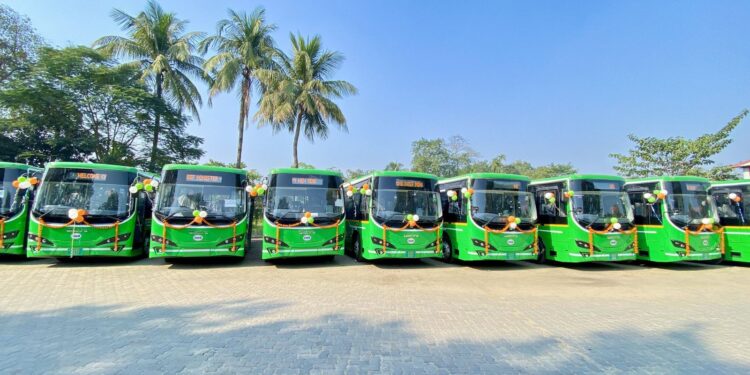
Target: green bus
point(676, 219)
point(734, 215)
point(17, 183)
point(488, 216)
point(200, 211)
point(303, 214)
point(86, 209)
point(393, 214)
point(584, 218)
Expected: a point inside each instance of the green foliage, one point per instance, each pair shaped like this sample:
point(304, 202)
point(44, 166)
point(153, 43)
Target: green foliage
point(75, 104)
point(164, 53)
point(351, 174)
point(298, 96)
point(243, 44)
point(394, 166)
point(252, 174)
point(18, 43)
point(452, 157)
point(442, 157)
point(678, 156)
point(303, 165)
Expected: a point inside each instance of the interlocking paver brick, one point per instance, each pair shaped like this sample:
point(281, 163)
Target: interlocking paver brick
point(323, 317)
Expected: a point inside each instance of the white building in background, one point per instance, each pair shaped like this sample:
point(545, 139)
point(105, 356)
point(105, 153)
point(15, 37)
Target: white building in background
point(745, 167)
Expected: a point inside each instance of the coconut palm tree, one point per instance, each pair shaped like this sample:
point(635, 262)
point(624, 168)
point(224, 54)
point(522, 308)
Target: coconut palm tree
point(299, 95)
point(159, 46)
point(243, 44)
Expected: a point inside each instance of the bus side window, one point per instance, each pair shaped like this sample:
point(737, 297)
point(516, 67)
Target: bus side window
point(550, 213)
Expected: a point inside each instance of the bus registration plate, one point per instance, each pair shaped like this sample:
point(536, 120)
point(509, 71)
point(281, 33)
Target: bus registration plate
point(612, 256)
point(510, 255)
point(411, 253)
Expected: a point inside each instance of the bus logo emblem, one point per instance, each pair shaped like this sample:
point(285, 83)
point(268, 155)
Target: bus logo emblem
point(75, 236)
point(306, 237)
point(705, 242)
point(613, 242)
point(511, 242)
point(410, 241)
point(197, 237)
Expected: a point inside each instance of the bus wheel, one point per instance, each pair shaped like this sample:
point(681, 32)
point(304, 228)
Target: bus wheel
point(447, 250)
point(357, 249)
point(541, 257)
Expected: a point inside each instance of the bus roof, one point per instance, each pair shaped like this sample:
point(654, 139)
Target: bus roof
point(322, 172)
point(206, 168)
point(578, 177)
point(668, 179)
point(730, 182)
point(75, 164)
point(487, 176)
point(397, 174)
point(6, 164)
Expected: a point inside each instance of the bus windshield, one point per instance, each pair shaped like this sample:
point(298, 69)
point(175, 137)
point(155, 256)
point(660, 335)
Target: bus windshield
point(599, 207)
point(102, 193)
point(732, 207)
point(394, 198)
point(221, 194)
point(691, 209)
point(290, 196)
point(496, 205)
point(10, 202)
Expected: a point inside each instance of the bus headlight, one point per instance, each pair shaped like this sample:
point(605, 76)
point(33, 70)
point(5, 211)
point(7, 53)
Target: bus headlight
point(480, 243)
point(160, 239)
point(36, 238)
point(273, 241)
point(332, 241)
point(9, 235)
point(228, 241)
point(679, 244)
point(122, 237)
point(379, 241)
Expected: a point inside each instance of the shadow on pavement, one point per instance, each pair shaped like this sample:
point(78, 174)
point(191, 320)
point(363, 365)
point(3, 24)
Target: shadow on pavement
point(259, 337)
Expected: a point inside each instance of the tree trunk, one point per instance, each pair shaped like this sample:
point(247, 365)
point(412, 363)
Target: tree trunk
point(244, 108)
point(297, 128)
point(157, 125)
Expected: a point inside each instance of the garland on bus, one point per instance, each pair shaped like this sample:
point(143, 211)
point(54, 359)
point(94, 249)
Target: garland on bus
point(411, 222)
point(655, 196)
point(76, 216)
point(511, 223)
point(364, 190)
point(707, 225)
point(306, 219)
point(257, 190)
point(199, 218)
point(613, 226)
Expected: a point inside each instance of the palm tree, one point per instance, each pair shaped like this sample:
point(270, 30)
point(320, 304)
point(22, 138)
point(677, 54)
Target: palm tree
point(298, 94)
point(244, 44)
point(162, 50)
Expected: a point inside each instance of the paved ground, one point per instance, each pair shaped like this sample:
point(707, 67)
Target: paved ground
point(396, 317)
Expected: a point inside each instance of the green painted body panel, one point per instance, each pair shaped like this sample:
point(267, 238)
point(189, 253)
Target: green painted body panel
point(303, 240)
point(736, 238)
point(656, 243)
point(82, 240)
point(568, 243)
point(15, 227)
point(409, 243)
point(197, 241)
point(509, 245)
point(72, 164)
point(14, 231)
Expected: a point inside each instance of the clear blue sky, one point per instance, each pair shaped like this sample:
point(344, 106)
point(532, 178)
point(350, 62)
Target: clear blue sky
point(539, 81)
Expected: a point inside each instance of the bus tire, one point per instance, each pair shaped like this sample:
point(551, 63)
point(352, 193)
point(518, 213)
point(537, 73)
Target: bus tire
point(541, 258)
point(357, 249)
point(447, 250)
